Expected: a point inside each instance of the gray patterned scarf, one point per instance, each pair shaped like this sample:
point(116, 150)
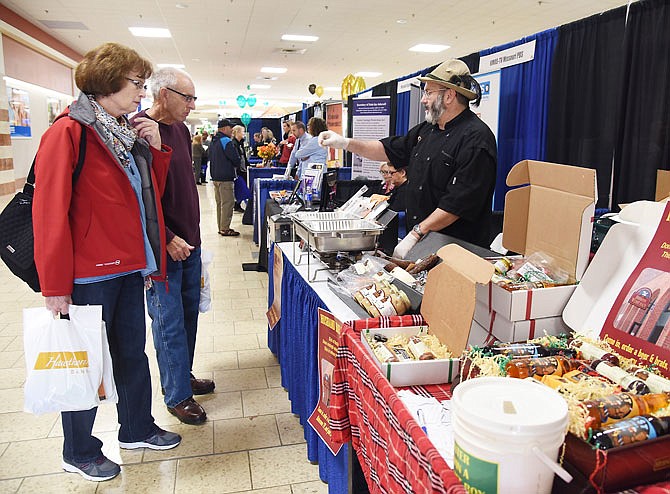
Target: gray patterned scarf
point(121, 133)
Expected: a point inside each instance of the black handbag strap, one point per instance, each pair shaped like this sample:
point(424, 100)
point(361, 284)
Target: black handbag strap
point(29, 187)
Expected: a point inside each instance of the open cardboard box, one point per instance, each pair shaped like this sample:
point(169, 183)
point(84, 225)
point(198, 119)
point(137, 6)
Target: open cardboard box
point(448, 306)
point(550, 211)
point(624, 299)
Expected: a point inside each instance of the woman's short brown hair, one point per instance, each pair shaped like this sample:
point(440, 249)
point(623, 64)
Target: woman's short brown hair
point(316, 125)
point(104, 69)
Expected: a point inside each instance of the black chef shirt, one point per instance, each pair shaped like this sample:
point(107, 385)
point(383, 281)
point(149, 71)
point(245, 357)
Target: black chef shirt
point(452, 169)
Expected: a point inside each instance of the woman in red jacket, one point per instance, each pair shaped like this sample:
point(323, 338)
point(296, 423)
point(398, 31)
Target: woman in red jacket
point(97, 240)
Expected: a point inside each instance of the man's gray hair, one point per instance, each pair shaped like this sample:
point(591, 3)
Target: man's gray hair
point(165, 77)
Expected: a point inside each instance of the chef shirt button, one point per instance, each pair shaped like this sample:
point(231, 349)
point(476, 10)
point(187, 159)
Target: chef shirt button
point(428, 159)
point(413, 217)
point(420, 187)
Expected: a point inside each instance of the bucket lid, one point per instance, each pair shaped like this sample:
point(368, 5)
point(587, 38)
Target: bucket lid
point(508, 405)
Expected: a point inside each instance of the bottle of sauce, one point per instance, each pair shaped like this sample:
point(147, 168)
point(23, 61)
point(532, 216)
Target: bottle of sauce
point(631, 430)
point(620, 406)
point(588, 351)
point(619, 376)
point(540, 366)
point(655, 383)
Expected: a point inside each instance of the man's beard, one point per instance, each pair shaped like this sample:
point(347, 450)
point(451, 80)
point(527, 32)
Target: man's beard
point(435, 110)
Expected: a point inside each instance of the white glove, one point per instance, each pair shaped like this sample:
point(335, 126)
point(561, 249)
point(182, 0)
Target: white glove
point(405, 246)
point(333, 139)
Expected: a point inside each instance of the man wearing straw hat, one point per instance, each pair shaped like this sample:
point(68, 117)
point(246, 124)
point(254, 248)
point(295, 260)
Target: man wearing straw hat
point(451, 160)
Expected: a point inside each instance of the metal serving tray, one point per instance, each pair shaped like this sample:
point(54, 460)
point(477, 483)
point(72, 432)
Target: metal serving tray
point(338, 235)
point(321, 215)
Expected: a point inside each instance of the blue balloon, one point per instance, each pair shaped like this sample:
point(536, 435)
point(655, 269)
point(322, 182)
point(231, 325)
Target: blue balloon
point(241, 101)
point(251, 100)
point(246, 118)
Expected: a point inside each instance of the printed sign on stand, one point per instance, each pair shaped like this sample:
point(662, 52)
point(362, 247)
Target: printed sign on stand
point(371, 119)
point(329, 336)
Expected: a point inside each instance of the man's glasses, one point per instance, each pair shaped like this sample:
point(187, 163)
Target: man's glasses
point(389, 172)
point(187, 97)
point(136, 83)
point(426, 94)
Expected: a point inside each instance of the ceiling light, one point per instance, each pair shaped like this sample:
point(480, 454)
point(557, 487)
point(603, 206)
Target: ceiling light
point(401, 21)
point(428, 48)
point(181, 6)
point(368, 74)
point(299, 37)
point(259, 86)
point(150, 32)
point(274, 70)
point(175, 65)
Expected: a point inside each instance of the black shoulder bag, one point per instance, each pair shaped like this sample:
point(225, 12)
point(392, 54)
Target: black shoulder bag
point(16, 225)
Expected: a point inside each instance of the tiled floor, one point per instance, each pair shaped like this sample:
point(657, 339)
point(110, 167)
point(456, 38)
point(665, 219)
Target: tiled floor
point(251, 442)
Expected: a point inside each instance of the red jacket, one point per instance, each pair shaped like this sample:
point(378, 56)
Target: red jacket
point(96, 228)
point(286, 150)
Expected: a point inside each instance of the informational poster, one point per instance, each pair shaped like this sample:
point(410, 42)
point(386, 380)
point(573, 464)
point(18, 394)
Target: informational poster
point(334, 123)
point(371, 119)
point(274, 312)
point(19, 112)
point(489, 107)
point(637, 326)
point(53, 109)
point(329, 339)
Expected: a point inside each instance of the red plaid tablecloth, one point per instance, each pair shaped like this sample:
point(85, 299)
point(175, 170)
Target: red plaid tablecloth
point(395, 454)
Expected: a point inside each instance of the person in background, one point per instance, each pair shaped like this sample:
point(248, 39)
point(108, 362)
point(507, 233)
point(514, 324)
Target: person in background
point(238, 140)
point(225, 162)
point(257, 142)
point(301, 139)
point(197, 150)
point(267, 136)
point(387, 184)
point(113, 211)
point(451, 160)
point(286, 145)
point(174, 308)
point(206, 141)
point(398, 199)
point(311, 152)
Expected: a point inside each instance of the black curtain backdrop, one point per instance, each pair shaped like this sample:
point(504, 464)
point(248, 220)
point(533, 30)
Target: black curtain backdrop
point(584, 95)
point(643, 139)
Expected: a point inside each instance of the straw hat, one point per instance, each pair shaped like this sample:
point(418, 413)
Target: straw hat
point(449, 74)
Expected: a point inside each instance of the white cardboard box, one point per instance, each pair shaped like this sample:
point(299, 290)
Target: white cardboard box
point(550, 211)
point(505, 330)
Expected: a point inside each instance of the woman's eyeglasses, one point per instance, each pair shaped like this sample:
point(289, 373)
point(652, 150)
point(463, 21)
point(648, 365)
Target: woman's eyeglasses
point(187, 97)
point(136, 83)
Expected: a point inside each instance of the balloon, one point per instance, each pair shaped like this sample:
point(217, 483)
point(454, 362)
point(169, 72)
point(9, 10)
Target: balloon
point(311, 88)
point(359, 84)
point(251, 100)
point(241, 101)
point(246, 118)
point(346, 86)
point(319, 91)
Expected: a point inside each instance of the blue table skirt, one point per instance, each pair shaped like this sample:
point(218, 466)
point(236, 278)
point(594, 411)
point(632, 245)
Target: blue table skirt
point(294, 341)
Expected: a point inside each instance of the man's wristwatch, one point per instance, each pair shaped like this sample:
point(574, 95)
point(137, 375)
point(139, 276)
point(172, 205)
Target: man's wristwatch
point(417, 230)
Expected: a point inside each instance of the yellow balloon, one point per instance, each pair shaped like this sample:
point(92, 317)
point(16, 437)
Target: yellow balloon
point(319, 91)
point(359, 85)
point(346, 86)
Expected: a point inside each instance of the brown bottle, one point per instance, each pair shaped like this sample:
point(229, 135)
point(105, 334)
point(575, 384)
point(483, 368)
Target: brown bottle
point(616, 407)
point(541, 366)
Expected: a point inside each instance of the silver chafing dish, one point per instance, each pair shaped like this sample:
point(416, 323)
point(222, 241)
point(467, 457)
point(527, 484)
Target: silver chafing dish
point(333, 232)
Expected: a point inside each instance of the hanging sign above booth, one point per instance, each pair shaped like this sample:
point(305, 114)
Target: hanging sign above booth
point(506, 58)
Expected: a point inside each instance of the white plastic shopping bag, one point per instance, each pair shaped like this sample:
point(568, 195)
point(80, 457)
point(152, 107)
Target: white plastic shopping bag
point(206, 258)
point(64, 360)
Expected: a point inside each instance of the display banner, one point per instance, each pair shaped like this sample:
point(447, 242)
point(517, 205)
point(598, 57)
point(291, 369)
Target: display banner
point(334, 123)
point(274, 312)
point(637, 326)
point(371, 119)
point(19, 112)
point(406, 84)
point(506, 58)
point(489, 107)
point(329, 340)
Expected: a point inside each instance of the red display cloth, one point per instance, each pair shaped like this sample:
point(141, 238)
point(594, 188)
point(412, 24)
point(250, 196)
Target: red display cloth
point(395, 454)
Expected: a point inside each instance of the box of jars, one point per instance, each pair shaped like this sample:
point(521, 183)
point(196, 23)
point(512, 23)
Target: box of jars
point(619, 411)
point(548, 215)
point(428, 354)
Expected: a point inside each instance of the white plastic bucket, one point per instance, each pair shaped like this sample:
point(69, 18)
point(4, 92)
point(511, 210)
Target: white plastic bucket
point(507, 434)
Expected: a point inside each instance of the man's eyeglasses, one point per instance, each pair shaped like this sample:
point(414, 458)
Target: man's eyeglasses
point(136, 83)
point(426, 94)
point(389, 172)
point(187, 97)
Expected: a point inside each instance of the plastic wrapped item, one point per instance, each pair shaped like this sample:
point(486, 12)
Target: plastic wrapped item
point(541, 267)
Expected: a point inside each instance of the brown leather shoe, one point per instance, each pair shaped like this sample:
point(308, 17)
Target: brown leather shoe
point(202, 386)
point(189, 412)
